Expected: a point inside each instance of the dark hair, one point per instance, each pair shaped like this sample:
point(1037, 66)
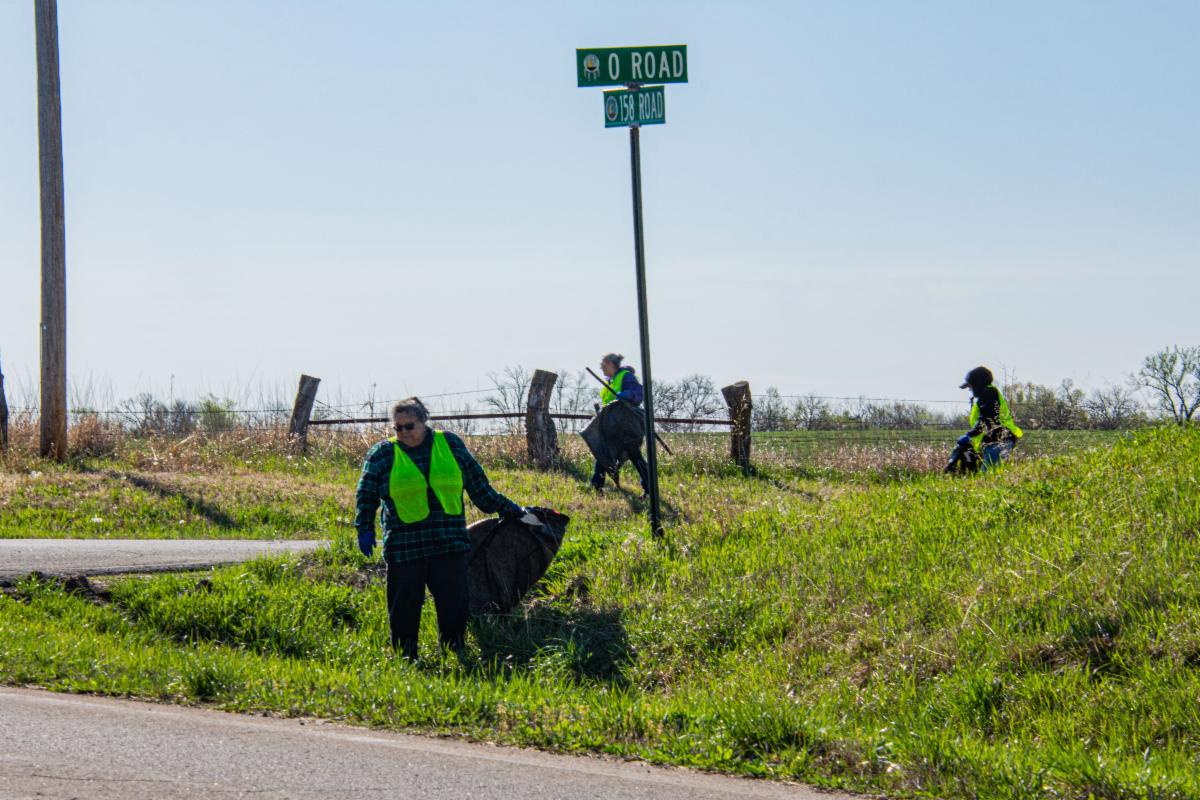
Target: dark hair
point(614, 358)
point(410, 405)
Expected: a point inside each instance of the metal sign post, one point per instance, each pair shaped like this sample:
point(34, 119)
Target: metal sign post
point(635, 167)
point(635, 106)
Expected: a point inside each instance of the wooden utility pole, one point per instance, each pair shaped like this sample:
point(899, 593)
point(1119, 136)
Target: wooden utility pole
point(54, 245)
point(3, 416)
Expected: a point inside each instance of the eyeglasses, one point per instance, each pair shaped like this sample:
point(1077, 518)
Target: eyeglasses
point(407, 426)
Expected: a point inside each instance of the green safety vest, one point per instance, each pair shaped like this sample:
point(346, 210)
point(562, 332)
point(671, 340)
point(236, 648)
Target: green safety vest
point(410, 490)
point(607, 395)
point(1006, 419)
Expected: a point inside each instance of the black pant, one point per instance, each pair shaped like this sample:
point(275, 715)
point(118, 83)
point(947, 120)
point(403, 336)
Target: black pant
point(639, 463)
point(446, 577)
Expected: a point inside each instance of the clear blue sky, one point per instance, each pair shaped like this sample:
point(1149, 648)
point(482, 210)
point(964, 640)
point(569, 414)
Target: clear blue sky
point(847, 198)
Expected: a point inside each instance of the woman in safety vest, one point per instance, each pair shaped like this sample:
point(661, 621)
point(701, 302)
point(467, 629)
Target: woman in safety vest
point(625, 386)
point(993, 432)
point(418, 476)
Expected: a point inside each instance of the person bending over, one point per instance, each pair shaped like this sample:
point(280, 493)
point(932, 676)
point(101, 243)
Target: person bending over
point(993, 432)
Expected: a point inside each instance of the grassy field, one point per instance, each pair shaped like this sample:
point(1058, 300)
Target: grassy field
point(1032, 633)
point(919, 450)
point(248, 486)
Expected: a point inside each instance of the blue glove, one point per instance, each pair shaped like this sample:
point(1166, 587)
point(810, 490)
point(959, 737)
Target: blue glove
point(366, 542)
point(964, 440)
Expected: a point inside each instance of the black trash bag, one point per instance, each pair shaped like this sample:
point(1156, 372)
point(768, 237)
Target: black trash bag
point(615, 434)
point(963, 461)
point(508, 557)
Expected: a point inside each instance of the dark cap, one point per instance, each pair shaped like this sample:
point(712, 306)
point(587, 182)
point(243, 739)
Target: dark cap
point(978, 377)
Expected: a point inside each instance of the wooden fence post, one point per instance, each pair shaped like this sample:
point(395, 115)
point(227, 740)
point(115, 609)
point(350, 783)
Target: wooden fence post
point(540, 435)
point(3, 416)
point(737, 397)
point(306, 395)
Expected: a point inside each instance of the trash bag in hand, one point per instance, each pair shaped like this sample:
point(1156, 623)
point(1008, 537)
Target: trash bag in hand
point(508, 556)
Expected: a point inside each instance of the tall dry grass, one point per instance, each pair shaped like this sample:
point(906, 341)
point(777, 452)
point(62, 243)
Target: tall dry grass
point(254, 444)
point(91, 437)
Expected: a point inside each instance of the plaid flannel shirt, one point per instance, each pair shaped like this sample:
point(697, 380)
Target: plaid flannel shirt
point(439, 533)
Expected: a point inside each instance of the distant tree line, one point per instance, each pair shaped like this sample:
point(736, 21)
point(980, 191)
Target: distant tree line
point(692, 397)
point(1166, 386)
point(144, 415)
point(1169, 379)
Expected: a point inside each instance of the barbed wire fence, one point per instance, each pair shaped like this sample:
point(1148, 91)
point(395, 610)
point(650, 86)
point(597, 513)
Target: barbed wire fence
point(856, 413)
point(788, 427)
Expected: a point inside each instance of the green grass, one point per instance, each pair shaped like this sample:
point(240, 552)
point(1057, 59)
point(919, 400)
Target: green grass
point(247, 488)
point(1032, 633)
point(116, 501)
point(921, 450)
point(1036, 443)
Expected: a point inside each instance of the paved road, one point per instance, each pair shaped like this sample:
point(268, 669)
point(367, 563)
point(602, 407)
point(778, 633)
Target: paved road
point(68, 746)
point(65, 557)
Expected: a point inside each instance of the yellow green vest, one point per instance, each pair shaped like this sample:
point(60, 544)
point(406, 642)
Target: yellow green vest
point(409, 489)
point(1006, 419)
point(607, 395)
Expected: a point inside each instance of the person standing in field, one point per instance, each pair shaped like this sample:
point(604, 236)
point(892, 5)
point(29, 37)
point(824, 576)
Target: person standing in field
point(625, 386)
point(418, 476)
point(993, 432)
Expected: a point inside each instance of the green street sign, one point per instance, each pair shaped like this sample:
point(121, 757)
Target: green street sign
point(644, 106)
point(616, 66)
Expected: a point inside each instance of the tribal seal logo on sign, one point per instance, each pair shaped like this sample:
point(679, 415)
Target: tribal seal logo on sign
point(591, 66)
point(610, 108)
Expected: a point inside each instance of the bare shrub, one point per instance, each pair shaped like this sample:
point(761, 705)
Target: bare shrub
point(1114, 408)
point(1172, 378)
point(1041, 407)
point(145, 415)
point(573, 394)
point(510, 392)
point(769, 412)
point(812, 413)
point(700, 398)
point(90, 436)
point(216, 415)
point(668, 402)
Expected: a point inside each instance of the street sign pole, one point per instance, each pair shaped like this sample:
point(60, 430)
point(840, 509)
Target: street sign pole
point(634, 106)
point(635, 166)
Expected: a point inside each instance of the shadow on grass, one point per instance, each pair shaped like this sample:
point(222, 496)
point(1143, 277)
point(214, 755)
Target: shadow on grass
point(195, 505)
point(584, 643)
point(636, 501)
point(576, 470)
point(640, 504)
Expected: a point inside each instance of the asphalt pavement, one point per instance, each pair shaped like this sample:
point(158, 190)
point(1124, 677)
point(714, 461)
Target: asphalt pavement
point(80, 746)
point(69, 557)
